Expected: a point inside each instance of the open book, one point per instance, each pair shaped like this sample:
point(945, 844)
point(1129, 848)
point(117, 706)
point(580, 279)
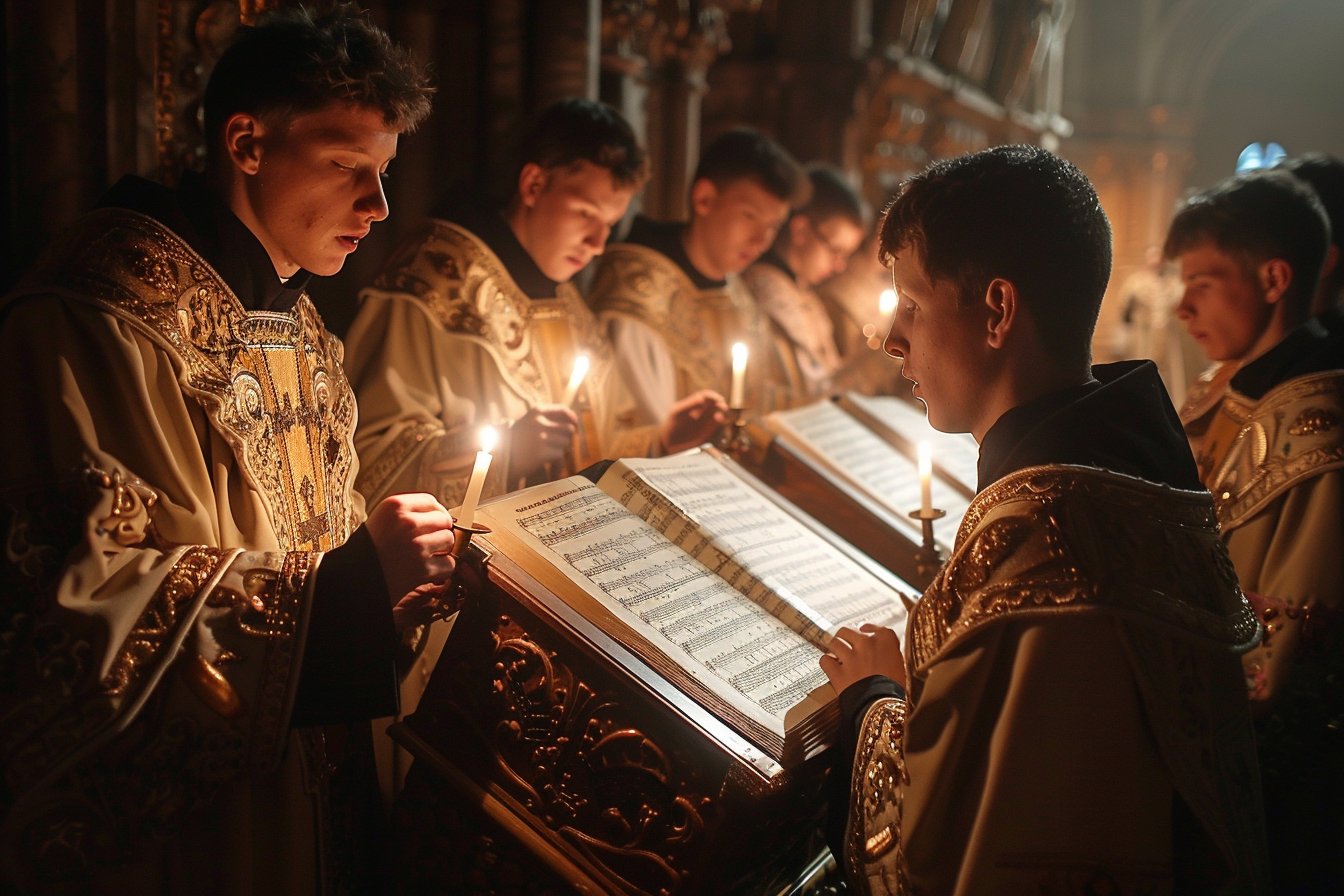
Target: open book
point(956, 456)
point(879, 475)
point(720, 585)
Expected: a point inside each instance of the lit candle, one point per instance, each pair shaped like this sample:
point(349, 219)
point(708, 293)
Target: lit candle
point(925, 479)
point(467, 515)
point(736, 395)
point(576, 379)
point(886, 303)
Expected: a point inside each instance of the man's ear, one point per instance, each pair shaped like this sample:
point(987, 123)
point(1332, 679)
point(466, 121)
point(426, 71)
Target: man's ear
point(1276, 275)
point(243, 138)
point(703, 194)
point(1002, 307)
point(531, 182)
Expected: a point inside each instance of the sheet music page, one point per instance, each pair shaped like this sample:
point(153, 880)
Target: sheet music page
point(957, 453)
point(752, 543)
point(674, 602)
point(863, 458)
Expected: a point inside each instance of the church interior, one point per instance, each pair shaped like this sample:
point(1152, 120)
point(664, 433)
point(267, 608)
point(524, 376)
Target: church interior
point(553, 749)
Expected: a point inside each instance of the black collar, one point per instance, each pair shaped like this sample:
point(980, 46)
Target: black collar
point(1122, 421)
point(486, 220)
point(1307, 349)
point(666, 237)
point(196, 213)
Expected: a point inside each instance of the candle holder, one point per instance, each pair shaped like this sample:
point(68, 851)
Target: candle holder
point(456, 595)
point(928, 559)
point(732, 439)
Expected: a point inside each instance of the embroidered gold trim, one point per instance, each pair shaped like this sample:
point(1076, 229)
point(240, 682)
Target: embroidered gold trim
point(873, 829)
point(158, 622)
point(699, 325)
point(270, 383)
point(284, 600)
point(1061, 539)
point(1289, 436)
point(469, 292)
point(374, 481)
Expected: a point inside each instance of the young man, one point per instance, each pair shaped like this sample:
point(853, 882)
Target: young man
point(473, 321)
point(1067, 712)
point(188, 581)
point(815, 244)
point(1325, 174)
point(669, 294)
point(1272, 453)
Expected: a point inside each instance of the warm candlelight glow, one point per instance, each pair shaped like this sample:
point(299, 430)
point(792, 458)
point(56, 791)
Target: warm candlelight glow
point(925, 479)
point(576, 379)
point(886, 303)
point(736, 396)
point(467, 515)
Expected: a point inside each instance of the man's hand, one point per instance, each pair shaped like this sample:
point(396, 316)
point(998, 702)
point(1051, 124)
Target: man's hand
point(693, 421)
point(539, 437)
point(855, 655)
point(412, 535)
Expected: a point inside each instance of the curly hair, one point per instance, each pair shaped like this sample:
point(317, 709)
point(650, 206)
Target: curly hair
point(296, 60)
point(1016, 212)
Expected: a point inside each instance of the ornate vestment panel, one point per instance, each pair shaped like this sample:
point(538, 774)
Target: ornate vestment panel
point(699, 326)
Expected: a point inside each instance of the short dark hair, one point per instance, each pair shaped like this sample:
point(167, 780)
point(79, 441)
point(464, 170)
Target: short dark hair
point(295, 60)
point(834, 197)
point(1256, 216)
point(1016, 212)
point(1325, 173)
point(578, 130)
point(747, 154)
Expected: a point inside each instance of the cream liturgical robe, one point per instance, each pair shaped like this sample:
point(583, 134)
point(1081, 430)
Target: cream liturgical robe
point(445, 342)
point(174, 467)
point(1098, 616)
point(671, 337)
point(1276, 470)
point(803, 353)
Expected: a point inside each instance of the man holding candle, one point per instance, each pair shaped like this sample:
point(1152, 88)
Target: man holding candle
point(1067, 711)
point(804, 361)
point(473, 321)
point(670, 295)
point(187, 589)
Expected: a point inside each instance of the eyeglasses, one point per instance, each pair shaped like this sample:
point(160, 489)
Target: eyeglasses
point(839, 253)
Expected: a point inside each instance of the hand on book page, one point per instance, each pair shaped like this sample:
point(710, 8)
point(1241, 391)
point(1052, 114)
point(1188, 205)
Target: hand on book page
point(855, 655)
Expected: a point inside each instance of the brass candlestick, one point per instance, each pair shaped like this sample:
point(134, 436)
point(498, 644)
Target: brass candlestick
point(456, 594)
point(928, 559)
point(733, 439)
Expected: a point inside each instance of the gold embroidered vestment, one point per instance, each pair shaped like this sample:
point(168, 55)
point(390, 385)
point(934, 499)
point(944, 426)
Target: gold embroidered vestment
point(1073, 671)
point(175, 468)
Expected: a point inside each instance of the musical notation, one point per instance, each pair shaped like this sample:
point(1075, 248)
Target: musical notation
point(856, 453)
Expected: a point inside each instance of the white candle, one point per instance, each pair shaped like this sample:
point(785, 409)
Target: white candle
point(736, 395)
point(576, 379)
point(886, 303)
point(925, 479)
point(467, 515)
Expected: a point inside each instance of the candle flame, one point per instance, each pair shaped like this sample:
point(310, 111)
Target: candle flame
point(489, 439)
point(580, 371)
point(925, 459)
point(739, 356)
